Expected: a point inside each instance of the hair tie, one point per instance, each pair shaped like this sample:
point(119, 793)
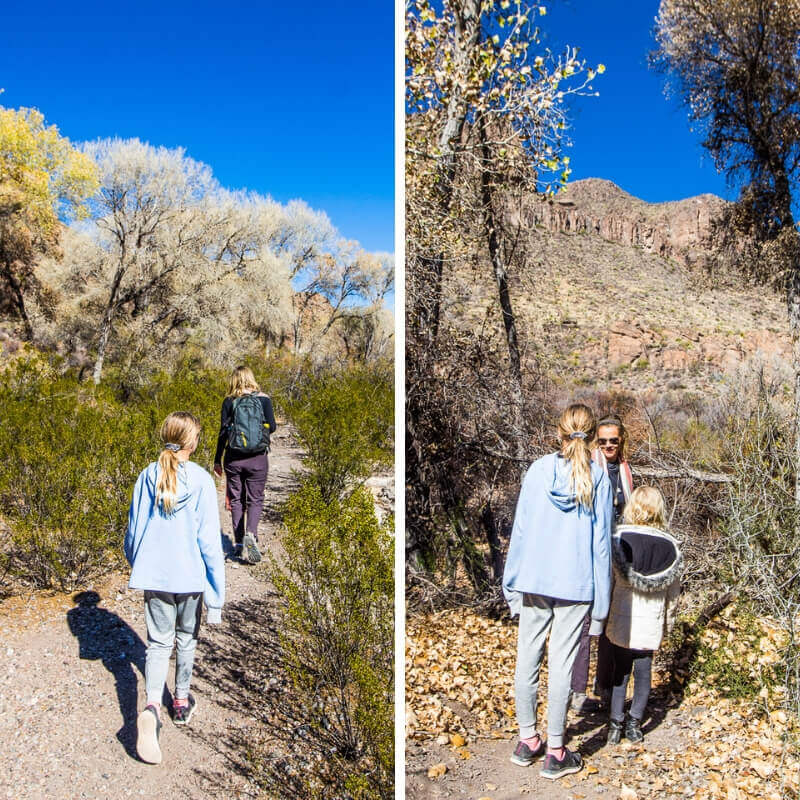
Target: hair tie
point(577, 435)
point(172, 447)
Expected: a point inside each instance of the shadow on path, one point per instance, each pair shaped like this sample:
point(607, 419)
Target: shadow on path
point(246, 663)
point(597, 723)
point(103, 636)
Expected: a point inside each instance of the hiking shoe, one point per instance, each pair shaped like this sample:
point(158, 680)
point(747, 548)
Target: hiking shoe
point(253, 554)
point(523, 756)
point(614, 732)
point(148, 729)
point(577, 701)
point(182, 714)
point(585, 705)
point(553, 768)
point(237, 550)
point(633, 730)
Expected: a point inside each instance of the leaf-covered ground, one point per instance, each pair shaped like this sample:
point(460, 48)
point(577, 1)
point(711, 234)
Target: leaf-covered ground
point(699, 743)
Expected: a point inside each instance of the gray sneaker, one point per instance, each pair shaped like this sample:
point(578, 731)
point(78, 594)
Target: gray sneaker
point(523, 756)
point(633, 730)
point(614, 731)
point(252, 553)
point(553, 768)
point(182, 714)
point(148, 729)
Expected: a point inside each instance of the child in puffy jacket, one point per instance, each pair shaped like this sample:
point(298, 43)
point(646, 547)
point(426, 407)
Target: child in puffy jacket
point(647, 563)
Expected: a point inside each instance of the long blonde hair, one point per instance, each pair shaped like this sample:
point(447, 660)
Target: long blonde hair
point(646, 506)
point(576, 427)
point(242, 381)
point(179, 431)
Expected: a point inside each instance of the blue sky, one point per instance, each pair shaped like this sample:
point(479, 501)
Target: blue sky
point(631, 134)
point(291, 101)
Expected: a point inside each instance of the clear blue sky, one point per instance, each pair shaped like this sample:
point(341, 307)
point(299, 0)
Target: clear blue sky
point(294, 101)
point(631, 134)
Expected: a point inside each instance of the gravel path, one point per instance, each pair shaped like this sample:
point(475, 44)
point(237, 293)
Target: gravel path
point(72, 679)
point(489, 775)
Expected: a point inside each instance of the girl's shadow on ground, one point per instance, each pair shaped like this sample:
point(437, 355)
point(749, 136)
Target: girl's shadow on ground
point(103, 636)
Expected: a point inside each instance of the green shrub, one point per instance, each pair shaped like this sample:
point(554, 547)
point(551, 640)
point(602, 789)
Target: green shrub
point(69, 456)
point(727, 658)
point(71, 452)
point(336, 585)
point(344, 420)
point(190, 387)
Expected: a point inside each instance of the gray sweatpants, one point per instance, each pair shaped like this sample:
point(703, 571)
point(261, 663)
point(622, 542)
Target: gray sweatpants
point(563, 619)
point(169, 617)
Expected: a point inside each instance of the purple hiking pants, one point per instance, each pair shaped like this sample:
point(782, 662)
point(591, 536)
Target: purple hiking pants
point(246, 478)
point(605, 662)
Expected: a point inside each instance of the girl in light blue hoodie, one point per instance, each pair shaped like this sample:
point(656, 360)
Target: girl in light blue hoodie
point(558, 565)
point(174, 547)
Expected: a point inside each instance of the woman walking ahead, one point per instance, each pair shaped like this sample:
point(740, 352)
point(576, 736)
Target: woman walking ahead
point(174, 547)
point(246, 421)
point(558, 564)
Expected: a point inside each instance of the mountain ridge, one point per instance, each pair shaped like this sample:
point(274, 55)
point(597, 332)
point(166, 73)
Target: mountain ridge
point(614, 292)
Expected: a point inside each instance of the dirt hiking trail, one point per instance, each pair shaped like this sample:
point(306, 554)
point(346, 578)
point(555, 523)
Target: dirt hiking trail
point(699, 744)
point(72, 682)
point(487, 772)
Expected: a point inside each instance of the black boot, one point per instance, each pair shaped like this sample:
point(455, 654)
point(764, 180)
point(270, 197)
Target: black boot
point(633, 730)
point(614, 731)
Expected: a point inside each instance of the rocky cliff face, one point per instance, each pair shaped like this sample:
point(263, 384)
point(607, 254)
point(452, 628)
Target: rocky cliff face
point(611, 293)
point(678, 230)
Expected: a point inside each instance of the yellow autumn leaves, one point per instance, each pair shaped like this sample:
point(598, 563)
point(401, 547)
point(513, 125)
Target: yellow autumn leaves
point(42, 168)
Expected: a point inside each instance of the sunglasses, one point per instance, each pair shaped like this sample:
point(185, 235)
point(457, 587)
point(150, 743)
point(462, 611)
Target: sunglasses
point(612, 440)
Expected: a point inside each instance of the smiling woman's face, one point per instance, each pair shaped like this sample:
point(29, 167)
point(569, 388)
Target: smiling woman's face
point(608, 441)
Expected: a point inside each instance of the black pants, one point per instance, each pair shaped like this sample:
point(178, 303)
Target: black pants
point(640, 662)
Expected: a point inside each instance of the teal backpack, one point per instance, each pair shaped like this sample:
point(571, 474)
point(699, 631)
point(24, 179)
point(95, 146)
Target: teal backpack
point(248, 431)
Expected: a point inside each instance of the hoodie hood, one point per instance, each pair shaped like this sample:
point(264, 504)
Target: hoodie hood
point(183, 490)
point(645, 558)
point(560, 491)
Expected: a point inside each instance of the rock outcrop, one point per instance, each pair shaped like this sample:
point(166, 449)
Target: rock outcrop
point(678, 230)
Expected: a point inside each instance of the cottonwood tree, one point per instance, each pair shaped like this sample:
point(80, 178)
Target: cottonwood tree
point(42, 177)
point(486, 122)
point(737, 65)
point(486, 114)
point(330, 287)
point(175, 257)
point(367, 328)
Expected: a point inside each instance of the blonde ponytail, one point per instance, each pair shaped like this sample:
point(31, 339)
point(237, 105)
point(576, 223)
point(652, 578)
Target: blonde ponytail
point(576, 427)
point(179, 431)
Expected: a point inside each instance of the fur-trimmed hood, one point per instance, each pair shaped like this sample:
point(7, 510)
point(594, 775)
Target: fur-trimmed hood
point(645, 558)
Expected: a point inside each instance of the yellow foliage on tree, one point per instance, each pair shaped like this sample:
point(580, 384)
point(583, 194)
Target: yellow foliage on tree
point(43, 179)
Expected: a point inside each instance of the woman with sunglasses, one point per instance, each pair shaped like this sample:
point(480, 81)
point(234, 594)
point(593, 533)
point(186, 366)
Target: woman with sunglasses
point(610, 455)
